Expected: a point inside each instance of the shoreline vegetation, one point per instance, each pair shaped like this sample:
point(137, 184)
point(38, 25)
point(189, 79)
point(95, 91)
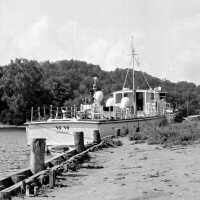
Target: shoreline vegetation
point(29, 83)
point(168, 135)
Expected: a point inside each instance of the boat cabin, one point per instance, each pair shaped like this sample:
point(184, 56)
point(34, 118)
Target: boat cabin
point(147, 102)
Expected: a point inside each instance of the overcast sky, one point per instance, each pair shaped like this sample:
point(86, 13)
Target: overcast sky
point(166, 33)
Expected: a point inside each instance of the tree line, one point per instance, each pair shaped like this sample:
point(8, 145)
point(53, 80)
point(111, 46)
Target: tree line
point(29, 83)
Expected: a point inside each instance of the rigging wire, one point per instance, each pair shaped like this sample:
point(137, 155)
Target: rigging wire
point(126, 75)
point(138, 64)
point(126, 78)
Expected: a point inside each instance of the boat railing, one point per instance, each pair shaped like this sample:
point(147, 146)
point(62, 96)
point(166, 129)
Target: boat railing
point(45, 113)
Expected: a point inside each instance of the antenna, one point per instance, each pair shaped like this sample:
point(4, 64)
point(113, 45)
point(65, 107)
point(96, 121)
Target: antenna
point(95, 84)
point(133, 59)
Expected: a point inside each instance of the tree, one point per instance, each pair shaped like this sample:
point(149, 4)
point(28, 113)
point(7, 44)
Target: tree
point(22, 87)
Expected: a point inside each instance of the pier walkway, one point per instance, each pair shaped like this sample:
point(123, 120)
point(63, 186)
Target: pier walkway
point(133, 172)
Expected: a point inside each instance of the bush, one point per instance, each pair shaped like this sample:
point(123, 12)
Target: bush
point(174, 134)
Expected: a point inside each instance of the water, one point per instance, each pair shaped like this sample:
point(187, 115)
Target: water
point(14, 152)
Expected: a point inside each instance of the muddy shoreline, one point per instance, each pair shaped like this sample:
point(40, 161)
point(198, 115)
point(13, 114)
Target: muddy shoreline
point(133, 172)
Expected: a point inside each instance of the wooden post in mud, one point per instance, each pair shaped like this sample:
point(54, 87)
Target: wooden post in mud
point(96, 136)
point(28, 193)
point(52, 178)
point(37, 155)
point(117, 132)
point(79, 141)
point(124, 131)
point(5, 196)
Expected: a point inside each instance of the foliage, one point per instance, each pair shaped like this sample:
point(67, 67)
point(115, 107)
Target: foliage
point(26, 83)
point(175, 134)
point(22, 87)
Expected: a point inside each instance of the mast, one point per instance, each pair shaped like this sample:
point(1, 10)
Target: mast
point(133, 67)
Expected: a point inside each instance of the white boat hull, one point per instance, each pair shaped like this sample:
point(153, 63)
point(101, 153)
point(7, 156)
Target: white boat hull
point(60, 132)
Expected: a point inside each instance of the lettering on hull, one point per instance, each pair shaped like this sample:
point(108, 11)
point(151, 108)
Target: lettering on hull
point(62, 129)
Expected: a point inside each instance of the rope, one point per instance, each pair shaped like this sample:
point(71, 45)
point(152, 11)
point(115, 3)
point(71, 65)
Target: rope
point(126, 78)
point(126, 75)
point(138, 64)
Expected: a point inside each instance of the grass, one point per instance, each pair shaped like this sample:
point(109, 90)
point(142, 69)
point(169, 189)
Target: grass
point(174, 134)
point(169, 134)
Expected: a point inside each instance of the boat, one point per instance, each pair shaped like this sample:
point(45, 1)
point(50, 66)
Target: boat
point(124, 110)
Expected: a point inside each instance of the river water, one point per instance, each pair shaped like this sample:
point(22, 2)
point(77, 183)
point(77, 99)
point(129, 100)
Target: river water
point(14, 153)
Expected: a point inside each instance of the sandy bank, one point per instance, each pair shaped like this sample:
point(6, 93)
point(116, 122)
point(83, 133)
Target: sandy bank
point(134, 172)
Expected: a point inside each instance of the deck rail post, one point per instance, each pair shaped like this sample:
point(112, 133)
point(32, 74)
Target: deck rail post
point(31, 114)
point(39, 114)
point(37, 160)
point(79, 141)
point(50, 112)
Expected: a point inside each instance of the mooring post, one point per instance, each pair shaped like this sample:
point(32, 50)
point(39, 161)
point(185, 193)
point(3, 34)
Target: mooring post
point(28, 192)
point(96, 137)
point(37, 155)
point(79, 141)
point(23, 187)
point(5, 196)
point(35, 190)
point(52, 178)
point(124, 131)
point(117, 132)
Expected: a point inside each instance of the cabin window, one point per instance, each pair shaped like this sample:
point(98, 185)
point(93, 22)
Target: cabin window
point(108, 108)
point(118, 97)
point(162, 95)
point(129, 95)
point(125, 94)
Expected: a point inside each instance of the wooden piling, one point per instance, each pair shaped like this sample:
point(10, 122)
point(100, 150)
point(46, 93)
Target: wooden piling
point(124, 131)
point(28, 192)
point(35, 190)
point(96, 136)
point(79, 141)
point(23, 187)
point(5, 196)
point(37, 155)
point(117, 132)
point(52, 178)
